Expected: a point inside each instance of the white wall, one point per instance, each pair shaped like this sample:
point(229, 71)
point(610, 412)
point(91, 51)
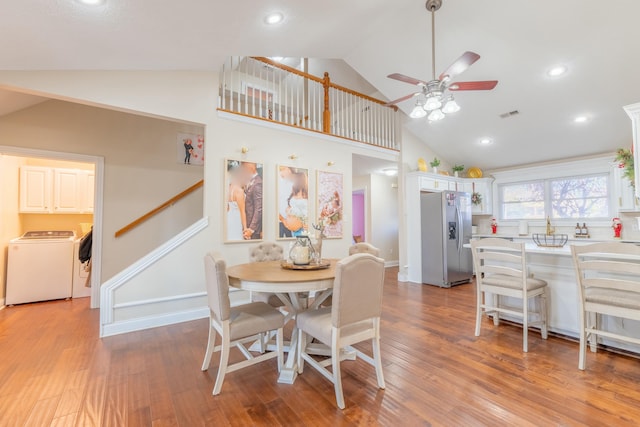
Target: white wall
point(192, 97)
point(10, 224)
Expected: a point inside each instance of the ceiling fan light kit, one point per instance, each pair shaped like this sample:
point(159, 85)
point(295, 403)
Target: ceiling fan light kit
point(433, 96)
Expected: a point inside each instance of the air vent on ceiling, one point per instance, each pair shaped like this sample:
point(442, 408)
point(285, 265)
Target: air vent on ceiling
point(509, 114)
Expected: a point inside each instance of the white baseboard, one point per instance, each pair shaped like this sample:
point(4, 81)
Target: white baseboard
point(391, 263)
point(403, 277)
point(164, 319)
point(2, 303)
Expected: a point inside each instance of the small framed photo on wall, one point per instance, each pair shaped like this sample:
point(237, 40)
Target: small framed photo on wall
point(330, 202)
point(243, 191)
point(190, 148)
point(293, 201)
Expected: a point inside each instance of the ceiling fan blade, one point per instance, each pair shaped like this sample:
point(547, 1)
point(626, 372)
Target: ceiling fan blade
point(460, 64)
point(404, 98)
point(406, 79)
point(481, 85)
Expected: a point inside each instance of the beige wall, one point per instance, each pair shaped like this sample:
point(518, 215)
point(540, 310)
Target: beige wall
point(141, 170)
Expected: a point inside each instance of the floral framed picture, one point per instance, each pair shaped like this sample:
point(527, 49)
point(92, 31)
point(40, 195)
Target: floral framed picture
point(330, 203)
point(243, 190)
point(293, 201)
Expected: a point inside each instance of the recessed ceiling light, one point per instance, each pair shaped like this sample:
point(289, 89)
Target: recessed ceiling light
point(390, 171)
point(274, 18)
point(91, 2)
point(557, 71)
point(581, 119)
point(486, 141)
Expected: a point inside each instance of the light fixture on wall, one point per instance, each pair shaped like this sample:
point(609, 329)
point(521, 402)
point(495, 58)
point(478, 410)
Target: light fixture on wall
point(244, 150)
point(331, 163)
point(293, 157)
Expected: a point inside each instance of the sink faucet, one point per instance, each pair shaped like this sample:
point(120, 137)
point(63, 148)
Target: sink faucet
point(550, 230)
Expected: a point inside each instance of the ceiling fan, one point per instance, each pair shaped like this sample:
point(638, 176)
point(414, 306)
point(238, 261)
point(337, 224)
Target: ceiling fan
point(434, 98)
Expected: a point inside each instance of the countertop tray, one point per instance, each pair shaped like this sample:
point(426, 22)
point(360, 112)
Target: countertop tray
point(291, 266)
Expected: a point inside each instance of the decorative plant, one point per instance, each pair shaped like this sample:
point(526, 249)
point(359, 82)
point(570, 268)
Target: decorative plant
point(476, 198)
point(458, 168)
point(624, 157)
point(435, 162)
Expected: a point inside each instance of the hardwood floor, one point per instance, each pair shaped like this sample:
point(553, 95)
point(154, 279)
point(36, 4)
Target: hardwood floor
point(54, 370)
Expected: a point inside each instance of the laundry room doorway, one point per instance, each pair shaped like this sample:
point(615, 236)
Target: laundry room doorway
point(44, 195)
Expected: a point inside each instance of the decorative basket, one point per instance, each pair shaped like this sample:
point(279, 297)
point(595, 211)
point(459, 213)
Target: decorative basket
point(550, 240)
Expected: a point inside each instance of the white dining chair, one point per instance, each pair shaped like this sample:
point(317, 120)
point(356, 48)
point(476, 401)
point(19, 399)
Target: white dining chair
point(237, 325)
point(364, 248)
point(501, 270)
point(354, 317)
point(266, 251)
point(608, 284)
point(358, 248)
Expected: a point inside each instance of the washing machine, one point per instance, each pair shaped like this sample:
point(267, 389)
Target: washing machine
point(40, 267)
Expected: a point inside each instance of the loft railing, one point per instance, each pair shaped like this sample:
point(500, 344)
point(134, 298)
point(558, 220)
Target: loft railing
point(265, 89)
point(157, 210)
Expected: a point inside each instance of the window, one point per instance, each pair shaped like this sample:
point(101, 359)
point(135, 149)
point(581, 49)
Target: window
point(581, 197)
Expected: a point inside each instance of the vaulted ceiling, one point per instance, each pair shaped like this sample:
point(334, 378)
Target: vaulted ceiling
point(518, 40)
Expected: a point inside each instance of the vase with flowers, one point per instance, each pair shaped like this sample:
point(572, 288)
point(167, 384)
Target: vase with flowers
point(457, 169)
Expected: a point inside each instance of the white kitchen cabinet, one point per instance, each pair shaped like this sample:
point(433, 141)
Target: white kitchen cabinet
point(56, 190)
point(633, 111)
point(35, 189)
point(624, 197)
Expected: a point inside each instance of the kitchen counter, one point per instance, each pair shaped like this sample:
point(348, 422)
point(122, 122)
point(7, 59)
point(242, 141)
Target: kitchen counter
point(571, 238)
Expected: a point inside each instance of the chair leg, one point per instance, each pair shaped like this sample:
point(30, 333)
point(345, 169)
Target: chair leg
point(593, 338)
point(583, 341)
point(479, 314)
point(375, 343)
point(210, 346)
point(525, 323)
point(279, 347)
point(544, 314)
point(337, 377)
point(224, 361)
point(496, 314)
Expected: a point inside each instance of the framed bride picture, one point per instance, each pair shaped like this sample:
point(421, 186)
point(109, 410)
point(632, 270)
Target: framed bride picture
point(330, 202)
point(243, 215)
point(293, 201)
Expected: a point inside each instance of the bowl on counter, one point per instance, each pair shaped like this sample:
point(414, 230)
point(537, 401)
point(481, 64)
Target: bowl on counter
point(550, 240)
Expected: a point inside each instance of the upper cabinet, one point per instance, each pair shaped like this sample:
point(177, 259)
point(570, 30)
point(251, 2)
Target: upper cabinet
point(56, 190)
point(633, 111)
point(432, 182)
point(624, 196)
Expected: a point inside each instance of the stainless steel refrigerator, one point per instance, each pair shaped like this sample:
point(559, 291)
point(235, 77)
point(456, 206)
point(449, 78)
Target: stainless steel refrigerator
point(445, 228)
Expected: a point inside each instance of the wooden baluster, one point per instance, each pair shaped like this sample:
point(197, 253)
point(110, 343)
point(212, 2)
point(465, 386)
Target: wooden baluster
point(326, 114)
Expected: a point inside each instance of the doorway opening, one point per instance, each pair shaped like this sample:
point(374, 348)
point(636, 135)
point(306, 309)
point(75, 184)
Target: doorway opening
point(359, 216)
point(46, 191)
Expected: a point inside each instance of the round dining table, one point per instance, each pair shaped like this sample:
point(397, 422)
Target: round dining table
point(292, 287)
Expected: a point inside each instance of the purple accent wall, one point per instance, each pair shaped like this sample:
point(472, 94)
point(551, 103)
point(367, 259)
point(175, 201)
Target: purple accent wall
point(358, 215)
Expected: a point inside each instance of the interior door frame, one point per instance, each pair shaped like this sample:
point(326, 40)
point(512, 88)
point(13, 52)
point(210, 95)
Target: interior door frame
point(98, 162)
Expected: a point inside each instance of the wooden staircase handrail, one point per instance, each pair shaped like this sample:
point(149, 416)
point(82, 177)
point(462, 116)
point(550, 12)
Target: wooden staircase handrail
point(156, 210)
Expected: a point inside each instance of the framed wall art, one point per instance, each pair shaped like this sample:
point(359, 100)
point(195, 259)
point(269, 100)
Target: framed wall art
point(330, 203)
point(293, 201)
point(243, 190)
point(190, 149)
